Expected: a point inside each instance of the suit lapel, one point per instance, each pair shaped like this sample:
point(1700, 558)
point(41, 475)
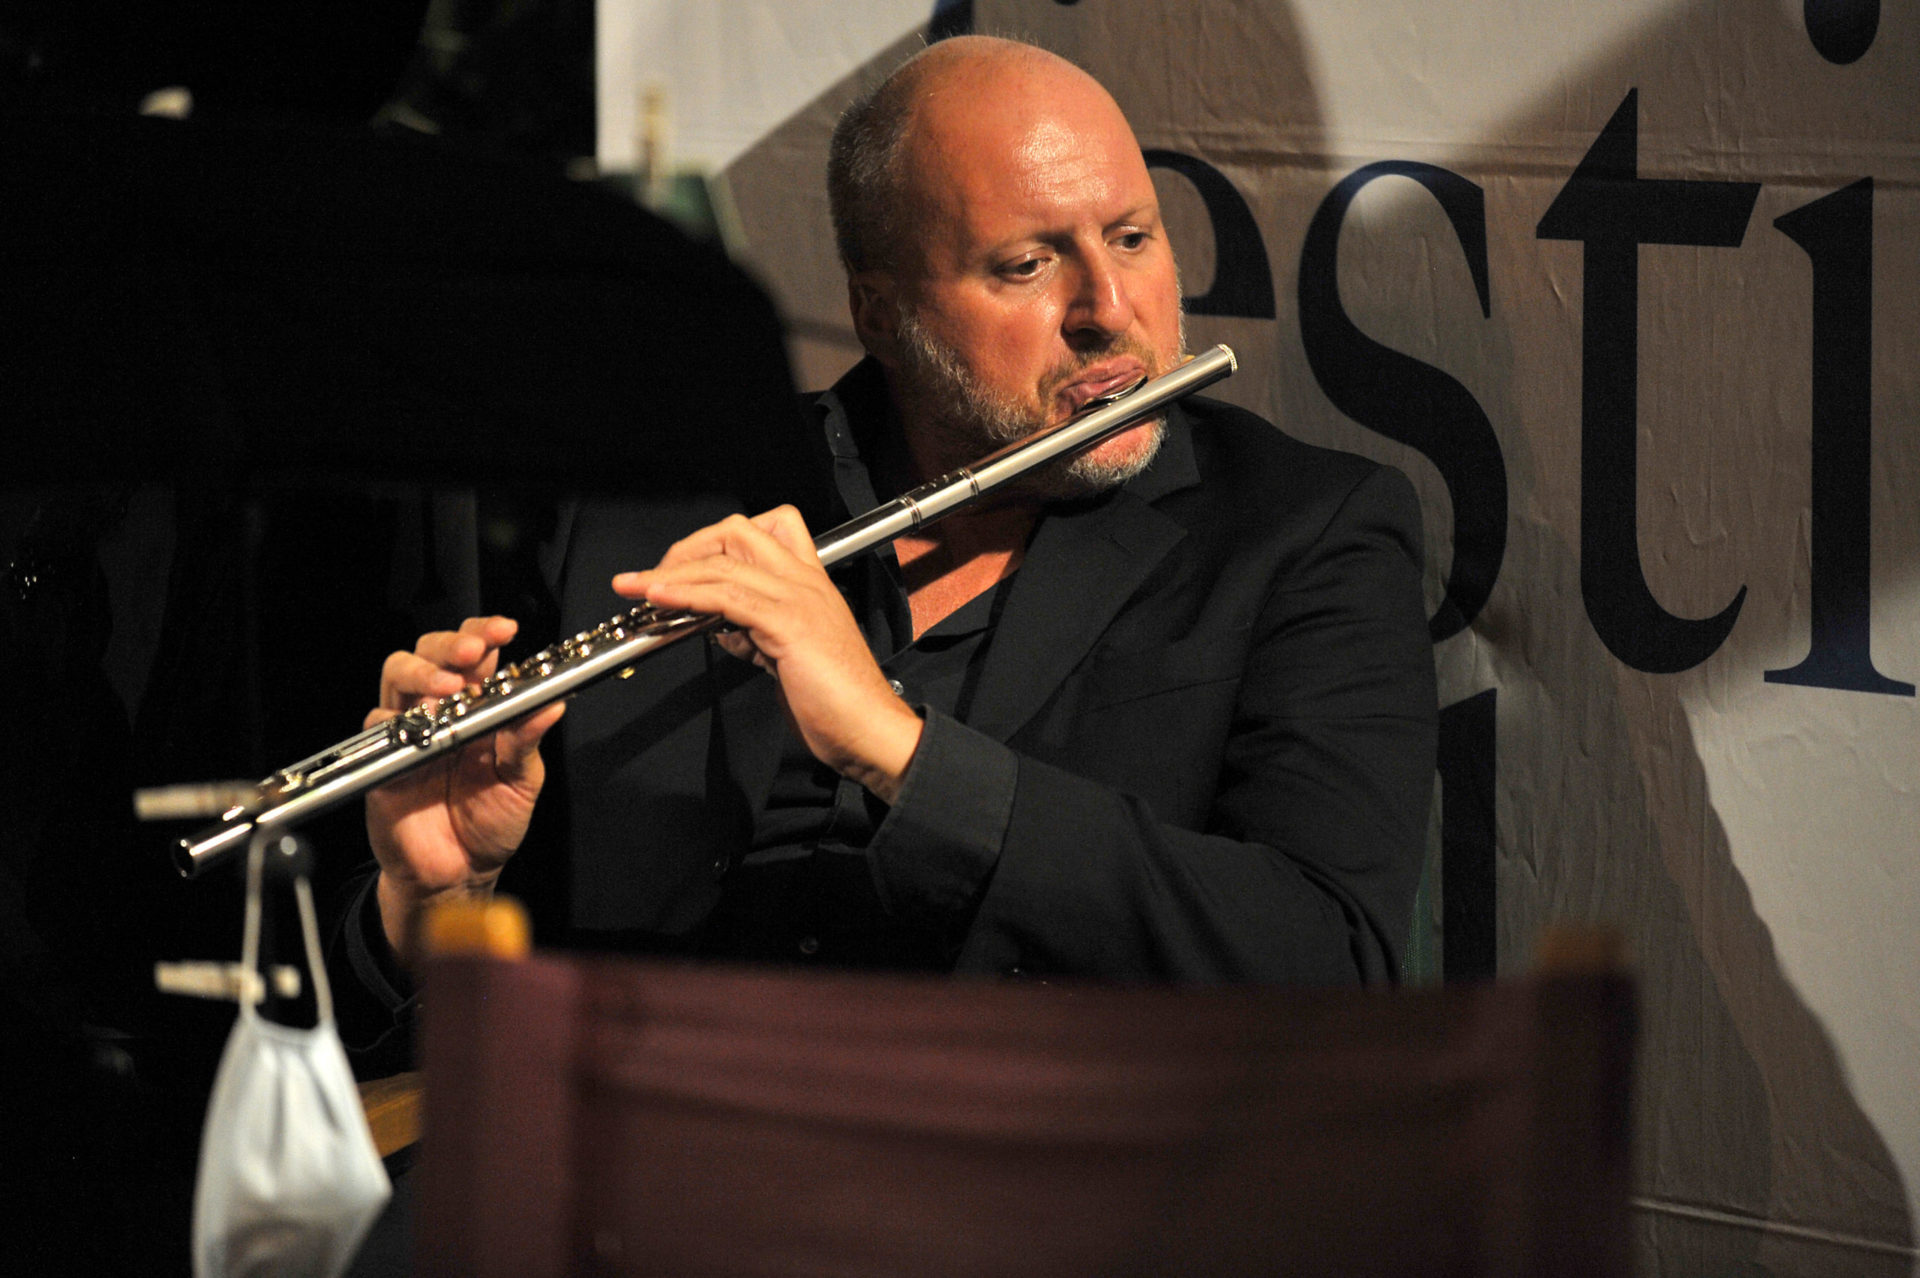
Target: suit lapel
point(1081, 569)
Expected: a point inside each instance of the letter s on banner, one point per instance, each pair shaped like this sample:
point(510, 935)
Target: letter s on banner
point(1407, 401)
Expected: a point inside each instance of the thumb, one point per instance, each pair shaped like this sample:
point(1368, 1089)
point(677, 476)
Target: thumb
point(515, 747)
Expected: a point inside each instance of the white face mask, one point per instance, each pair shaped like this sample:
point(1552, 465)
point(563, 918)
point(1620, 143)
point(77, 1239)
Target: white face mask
point(289, 1178)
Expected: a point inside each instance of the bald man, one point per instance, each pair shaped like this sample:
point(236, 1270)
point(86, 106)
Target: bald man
point(1167, 712)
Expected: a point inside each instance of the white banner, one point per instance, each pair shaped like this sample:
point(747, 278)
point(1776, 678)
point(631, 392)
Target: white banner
point(1632, 292)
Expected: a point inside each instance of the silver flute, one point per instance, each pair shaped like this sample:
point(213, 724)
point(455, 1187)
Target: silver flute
point(416, 737)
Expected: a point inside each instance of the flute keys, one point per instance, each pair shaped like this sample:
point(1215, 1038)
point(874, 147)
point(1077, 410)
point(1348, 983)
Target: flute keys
point(410, 730)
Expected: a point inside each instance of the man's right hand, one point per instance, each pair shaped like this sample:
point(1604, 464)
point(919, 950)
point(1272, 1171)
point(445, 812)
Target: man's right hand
point(446, 830)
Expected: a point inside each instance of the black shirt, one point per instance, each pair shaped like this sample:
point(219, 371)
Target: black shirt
point(806, 891)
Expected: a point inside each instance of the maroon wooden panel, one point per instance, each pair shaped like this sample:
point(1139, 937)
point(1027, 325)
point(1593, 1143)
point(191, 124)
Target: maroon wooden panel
point(497, 1153)
point(756, 1122)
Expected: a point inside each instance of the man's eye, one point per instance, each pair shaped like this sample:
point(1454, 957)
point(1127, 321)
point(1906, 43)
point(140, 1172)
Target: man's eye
point(1023, 268)
point(1133, 240)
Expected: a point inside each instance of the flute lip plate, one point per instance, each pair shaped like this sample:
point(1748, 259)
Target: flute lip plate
point(1116, 395)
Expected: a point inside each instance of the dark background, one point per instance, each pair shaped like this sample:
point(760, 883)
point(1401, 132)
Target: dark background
point(284, 384)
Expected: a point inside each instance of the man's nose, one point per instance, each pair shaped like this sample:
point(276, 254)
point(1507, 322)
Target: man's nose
point(1100, 305)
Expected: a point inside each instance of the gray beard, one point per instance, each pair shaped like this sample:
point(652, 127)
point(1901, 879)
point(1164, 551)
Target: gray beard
point(965, 410)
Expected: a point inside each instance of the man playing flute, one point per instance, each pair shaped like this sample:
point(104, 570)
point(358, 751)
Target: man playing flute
point(1165, 713)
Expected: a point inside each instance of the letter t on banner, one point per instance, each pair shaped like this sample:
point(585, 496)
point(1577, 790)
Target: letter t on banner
point(1612, 211)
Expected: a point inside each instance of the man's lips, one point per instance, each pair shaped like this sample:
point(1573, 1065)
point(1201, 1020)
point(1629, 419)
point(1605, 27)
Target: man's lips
point(1103, 379)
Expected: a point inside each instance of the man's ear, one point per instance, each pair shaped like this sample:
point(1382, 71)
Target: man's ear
point(873, 301)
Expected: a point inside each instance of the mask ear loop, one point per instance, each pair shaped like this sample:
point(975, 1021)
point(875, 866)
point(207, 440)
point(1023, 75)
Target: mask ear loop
point(298, 855)
point(316, 965)
point(250, 930)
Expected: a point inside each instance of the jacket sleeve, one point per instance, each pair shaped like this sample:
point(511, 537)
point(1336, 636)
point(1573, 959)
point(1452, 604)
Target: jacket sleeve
point(373, 996)
point(1305, 867)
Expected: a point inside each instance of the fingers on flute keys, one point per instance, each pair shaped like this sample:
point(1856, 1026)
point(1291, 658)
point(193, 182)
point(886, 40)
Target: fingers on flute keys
point(441, 664)
point(746, 570)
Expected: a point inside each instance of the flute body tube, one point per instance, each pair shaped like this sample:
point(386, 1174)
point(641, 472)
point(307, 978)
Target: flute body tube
point(303, 790)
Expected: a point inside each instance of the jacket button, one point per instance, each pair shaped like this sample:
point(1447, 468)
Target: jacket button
point(899, 689)
point(809, 945)
point(720, 864)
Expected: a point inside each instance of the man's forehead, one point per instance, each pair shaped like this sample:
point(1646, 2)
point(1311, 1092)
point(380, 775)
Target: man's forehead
point(1001, 95)
point(1060, 149)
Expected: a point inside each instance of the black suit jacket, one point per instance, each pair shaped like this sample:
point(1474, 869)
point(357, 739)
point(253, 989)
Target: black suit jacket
point(1201, 748)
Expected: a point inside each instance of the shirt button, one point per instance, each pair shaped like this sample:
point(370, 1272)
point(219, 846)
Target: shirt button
point(899, 689)
point(809, 945)
point(720, 866)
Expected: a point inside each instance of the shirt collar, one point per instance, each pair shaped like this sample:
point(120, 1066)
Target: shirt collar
point(855, 407)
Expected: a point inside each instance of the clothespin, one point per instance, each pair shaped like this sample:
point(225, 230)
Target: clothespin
point(235, 982)
point(193, 801)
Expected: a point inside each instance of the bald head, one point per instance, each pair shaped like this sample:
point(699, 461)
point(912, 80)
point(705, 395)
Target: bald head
point(1006, 258)
point(891, 146)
